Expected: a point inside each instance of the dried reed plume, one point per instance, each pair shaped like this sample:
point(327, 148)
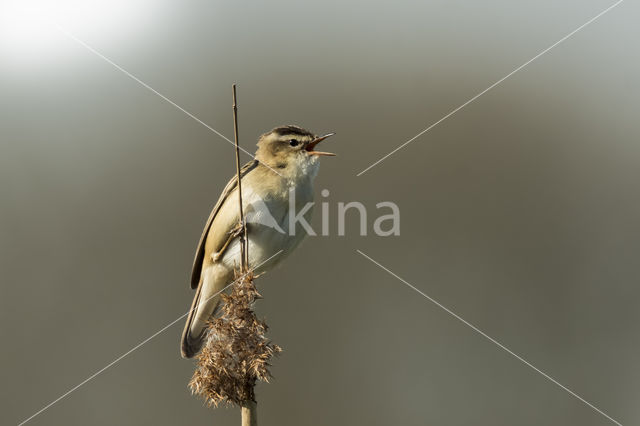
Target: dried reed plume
point(237, 352)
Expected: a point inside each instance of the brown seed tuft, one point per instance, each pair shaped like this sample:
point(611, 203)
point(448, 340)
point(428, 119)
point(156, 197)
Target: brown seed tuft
point(237, 352)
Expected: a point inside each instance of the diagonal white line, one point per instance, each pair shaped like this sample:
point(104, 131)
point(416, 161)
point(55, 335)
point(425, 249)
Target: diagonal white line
point(133, 349)
point(145, 85)
point(492, 340)
point(490, 87)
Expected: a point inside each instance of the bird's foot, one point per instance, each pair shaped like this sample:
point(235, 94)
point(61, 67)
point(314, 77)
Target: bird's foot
point(238, 230)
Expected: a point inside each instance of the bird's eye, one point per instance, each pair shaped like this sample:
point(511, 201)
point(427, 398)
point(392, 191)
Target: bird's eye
point(293, 142)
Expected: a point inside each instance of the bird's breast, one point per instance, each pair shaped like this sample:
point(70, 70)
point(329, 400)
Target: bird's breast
point(273, 225)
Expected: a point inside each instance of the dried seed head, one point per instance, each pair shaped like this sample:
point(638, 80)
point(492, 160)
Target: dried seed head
point(237, 352)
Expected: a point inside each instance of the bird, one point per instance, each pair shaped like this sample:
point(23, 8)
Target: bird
point(276, 187)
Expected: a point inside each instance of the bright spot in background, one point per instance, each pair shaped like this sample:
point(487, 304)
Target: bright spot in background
point(28, 27)
point(23, 24)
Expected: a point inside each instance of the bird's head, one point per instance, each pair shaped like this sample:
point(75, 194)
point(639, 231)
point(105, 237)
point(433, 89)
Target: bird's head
point(290, 150)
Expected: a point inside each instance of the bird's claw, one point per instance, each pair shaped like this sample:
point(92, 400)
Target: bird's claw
point(235, 232)
point(238, 230)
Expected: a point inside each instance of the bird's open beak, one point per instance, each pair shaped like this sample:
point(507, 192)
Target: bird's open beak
point(315, 142)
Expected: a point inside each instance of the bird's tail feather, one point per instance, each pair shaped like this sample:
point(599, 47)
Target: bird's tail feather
point(191, 344)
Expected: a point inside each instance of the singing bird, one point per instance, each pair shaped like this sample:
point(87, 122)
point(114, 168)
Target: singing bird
point(277, 184)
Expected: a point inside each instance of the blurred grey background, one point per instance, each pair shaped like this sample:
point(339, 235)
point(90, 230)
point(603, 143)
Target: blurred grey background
point(519, 213)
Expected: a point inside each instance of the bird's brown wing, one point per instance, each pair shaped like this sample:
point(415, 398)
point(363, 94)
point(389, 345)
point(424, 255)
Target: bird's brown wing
point(197, 261)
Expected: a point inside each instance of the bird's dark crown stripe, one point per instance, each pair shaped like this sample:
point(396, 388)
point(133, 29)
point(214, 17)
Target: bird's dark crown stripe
point(291, 130)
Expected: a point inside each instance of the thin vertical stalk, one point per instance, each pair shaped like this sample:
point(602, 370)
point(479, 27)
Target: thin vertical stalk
point(249, 414)
point(244, 241)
